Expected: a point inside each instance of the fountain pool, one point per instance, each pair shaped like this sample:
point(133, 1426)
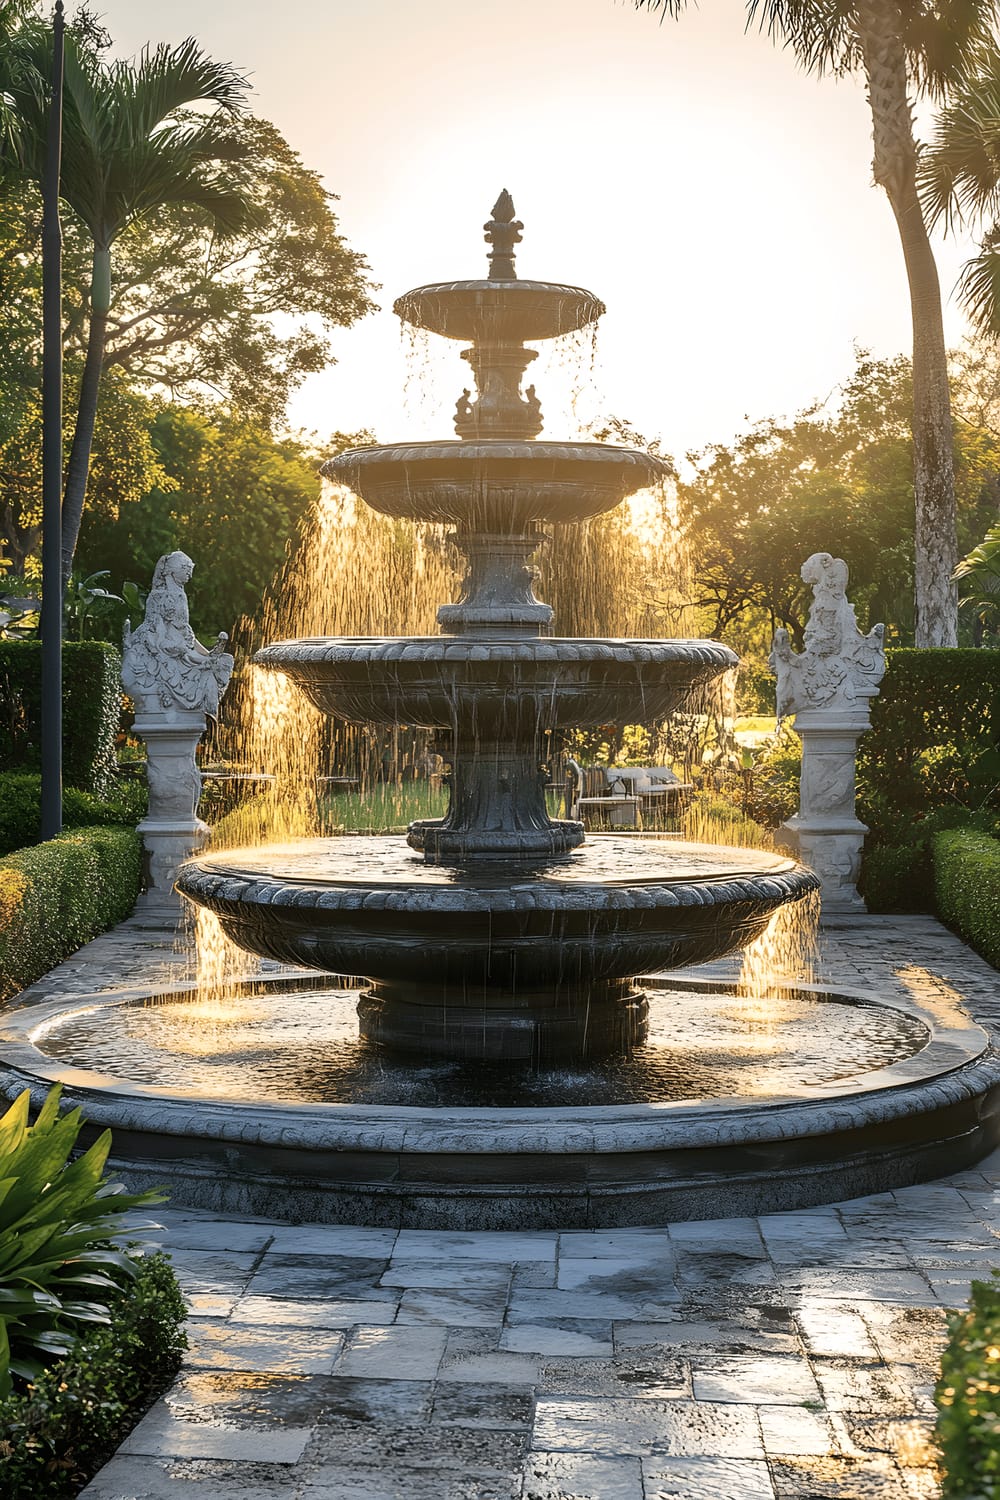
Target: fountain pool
point(501, 1064)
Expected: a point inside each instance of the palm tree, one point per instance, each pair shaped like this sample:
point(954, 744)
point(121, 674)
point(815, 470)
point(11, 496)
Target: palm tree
point(960, 182)
point(132, 144)
point(902, 47)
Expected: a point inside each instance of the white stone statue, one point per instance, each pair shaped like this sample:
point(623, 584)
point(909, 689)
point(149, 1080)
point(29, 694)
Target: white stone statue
point(840, 668)
point(164, 665)
point(174, 682)
point(828, 687)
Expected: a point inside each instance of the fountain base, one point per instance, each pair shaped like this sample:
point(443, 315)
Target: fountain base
point(755, 1130)
point(599, 1020)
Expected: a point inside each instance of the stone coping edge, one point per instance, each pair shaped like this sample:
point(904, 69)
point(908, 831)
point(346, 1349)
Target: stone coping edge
point(957, 1065)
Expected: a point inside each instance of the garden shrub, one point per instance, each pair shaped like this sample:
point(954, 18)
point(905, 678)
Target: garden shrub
point(899, 876)
point(58, 1432)
point(88, 1332)
point(968, 1398)
point(92, 699)
point(57, 895)
point(21, 807)
point(934, 741)
point(57, 1264)
point(967, 887)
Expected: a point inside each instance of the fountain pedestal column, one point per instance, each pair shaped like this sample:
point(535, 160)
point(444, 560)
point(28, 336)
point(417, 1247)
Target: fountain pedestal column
point(171, 830)
point(828, 687)
point(826, 833)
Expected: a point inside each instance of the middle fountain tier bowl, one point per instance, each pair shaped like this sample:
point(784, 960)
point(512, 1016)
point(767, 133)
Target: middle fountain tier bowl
point(528, 961)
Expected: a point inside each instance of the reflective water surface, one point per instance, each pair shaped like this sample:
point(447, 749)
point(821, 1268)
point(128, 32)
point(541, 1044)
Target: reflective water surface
point(302, 1046)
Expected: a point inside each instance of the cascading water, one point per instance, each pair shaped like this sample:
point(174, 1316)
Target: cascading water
point(496, 931)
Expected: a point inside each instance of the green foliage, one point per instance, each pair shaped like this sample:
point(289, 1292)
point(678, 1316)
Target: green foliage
point(57, 895)
point(92, 699)
point(58, 1271)
point(21, 807)
point(967, 887)
point(234, 484)
point(934, 742)
point(836, 478)
point(967, 1397)
point(56, 1434)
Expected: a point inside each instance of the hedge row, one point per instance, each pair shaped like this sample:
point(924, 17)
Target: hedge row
point(21, 807)
point(967, 887)
point(934, 740)
point(56, 896)
point(92, 698)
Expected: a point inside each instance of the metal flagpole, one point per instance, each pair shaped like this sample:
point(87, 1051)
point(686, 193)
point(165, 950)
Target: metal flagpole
point(52, 450)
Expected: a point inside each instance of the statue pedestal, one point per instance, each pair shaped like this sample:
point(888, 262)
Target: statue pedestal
point(171, 830)
point(825, 833)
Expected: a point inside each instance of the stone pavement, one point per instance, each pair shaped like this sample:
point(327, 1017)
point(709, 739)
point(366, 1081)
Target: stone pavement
point(792, 1355)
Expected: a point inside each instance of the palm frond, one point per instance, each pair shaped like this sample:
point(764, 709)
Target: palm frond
point(979, 287)
point(959, 174)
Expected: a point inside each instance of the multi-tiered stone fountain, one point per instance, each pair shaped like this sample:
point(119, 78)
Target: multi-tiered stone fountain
point(504, 1076)
point(496, 932)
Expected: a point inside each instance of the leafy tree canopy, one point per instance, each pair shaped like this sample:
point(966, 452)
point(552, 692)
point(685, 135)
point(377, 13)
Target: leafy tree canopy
point(837, 481)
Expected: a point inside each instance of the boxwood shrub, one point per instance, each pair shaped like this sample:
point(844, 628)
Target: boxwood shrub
point(934, 740)
point(57, 895)
point(59, 1431)
point(92, 700)
point(968, 1399)
point(21, 806)
point(967, 887)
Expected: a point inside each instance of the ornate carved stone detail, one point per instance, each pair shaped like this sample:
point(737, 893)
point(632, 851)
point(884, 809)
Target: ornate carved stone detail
point(174, 682)
point(164, 664)
point(840, 668)
point(502, 232)
point(828, 687)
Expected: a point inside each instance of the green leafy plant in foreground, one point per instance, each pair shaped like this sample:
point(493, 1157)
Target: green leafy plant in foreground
point(967, 1396)
point(58, 1271)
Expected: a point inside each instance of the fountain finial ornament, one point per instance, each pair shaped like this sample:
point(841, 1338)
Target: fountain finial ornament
point(503, 232)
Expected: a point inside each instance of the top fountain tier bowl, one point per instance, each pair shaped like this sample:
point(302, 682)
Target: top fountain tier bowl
point(495, 486)
point(499, 312)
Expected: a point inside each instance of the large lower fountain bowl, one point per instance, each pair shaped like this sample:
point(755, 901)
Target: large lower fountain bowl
point(506, 960)
point(495, 486)
point(519, 687)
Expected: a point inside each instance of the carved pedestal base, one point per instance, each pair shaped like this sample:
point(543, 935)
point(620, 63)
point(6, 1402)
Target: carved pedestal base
point(834, 853)
point(825, 834)
point(171, 830)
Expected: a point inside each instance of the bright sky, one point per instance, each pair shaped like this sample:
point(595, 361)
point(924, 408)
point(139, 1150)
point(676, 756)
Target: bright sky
point(719, 201)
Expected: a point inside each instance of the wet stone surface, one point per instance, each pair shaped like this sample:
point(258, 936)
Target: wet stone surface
point(786, 1357)
point(303, 1046)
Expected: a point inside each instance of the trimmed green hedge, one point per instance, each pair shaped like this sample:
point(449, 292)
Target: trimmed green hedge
point(934, 741)
point(967, 887)
point(21, 806)
point(57, 895)
point(55, 1435)
point(92, 698)
point(968, 1399)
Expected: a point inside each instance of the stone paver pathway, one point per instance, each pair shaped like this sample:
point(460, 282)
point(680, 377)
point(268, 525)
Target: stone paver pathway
point(766, 1358)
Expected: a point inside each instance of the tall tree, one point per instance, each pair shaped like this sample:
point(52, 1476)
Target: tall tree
point(902, 48)
point(130, 149)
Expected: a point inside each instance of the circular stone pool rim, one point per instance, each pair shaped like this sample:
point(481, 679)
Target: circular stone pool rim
point(587, 1167)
